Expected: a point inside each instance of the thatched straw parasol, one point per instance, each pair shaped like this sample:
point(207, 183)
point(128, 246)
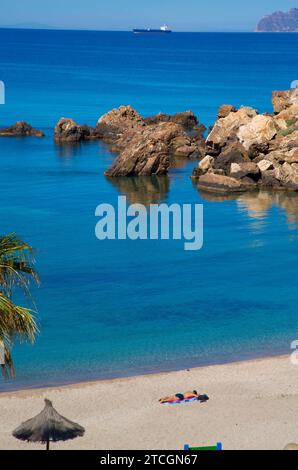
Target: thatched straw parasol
point(48, 426)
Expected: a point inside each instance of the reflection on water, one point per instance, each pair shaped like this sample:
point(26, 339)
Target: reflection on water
point(258, 203)
point(142, 189)
point(180, 162)
point(68, 150)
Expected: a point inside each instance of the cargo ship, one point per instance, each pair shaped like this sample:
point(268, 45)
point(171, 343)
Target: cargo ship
point(163, 29)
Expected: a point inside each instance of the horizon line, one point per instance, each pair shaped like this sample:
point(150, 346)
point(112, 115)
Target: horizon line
point(49, 28)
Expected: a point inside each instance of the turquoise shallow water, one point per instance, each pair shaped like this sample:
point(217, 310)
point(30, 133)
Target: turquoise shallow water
point(117, 308)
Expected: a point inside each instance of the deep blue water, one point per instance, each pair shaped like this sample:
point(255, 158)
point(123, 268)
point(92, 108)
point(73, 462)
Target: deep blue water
point(116, 308)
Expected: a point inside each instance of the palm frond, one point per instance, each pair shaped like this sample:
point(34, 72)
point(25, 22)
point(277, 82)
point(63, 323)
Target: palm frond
point(16, 321)
point(16, 265)
point(16, 271)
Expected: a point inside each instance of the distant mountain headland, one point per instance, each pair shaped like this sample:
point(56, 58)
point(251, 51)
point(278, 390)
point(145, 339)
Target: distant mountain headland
point(26, 26)
point(279, 22)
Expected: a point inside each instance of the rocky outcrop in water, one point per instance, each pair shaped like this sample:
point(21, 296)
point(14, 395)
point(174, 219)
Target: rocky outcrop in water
point(246, 150)
point(279, 21)
point(68, 131)
point(148, 151)
point(146, 146)
point(20, 129)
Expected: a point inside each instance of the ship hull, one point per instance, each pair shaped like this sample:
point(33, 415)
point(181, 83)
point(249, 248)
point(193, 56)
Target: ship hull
point(150, 31)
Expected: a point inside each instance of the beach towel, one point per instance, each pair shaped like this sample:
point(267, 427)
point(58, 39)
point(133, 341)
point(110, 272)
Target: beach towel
point(177, 402)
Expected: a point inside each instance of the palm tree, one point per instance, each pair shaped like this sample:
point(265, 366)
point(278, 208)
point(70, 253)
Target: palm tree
point(16, 272)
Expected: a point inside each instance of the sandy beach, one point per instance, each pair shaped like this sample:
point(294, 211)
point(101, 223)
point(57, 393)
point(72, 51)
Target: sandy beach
point(253, 405)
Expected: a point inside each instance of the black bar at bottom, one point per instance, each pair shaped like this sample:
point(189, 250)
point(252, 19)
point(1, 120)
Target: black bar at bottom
point(137, 459)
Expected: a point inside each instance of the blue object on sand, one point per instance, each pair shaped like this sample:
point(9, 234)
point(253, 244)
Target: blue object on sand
point(188, 400)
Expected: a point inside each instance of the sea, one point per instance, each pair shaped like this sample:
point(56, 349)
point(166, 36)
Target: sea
point(118, 308)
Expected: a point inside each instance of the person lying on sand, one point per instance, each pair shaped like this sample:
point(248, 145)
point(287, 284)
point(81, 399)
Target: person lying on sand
point(182, 396)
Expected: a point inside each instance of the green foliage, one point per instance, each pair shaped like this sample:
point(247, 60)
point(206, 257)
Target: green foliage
point(16, 272)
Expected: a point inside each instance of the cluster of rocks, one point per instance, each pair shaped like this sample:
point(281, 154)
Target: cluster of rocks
point(20, 129)
point(246, 150)
point(146, 146)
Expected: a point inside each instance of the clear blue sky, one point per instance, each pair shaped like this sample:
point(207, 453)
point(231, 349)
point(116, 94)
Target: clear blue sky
point(181, 15)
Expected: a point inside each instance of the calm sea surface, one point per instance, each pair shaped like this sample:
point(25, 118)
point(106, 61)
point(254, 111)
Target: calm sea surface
point(118, 308)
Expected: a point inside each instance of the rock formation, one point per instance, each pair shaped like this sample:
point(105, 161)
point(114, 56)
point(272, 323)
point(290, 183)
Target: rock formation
point(283, 100)
point(68, 131)
point(20, 129)
point(186, 119)
point(279, 22)
point(148, 152)
point(145, 146)
point(246, 150)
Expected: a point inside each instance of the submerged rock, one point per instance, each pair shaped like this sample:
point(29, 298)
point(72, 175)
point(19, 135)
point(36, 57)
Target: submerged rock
point(20, 129)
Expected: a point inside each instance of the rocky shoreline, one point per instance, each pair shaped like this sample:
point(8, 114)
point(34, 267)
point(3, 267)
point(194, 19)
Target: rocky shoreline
point(243, 151)
point(246, 150)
